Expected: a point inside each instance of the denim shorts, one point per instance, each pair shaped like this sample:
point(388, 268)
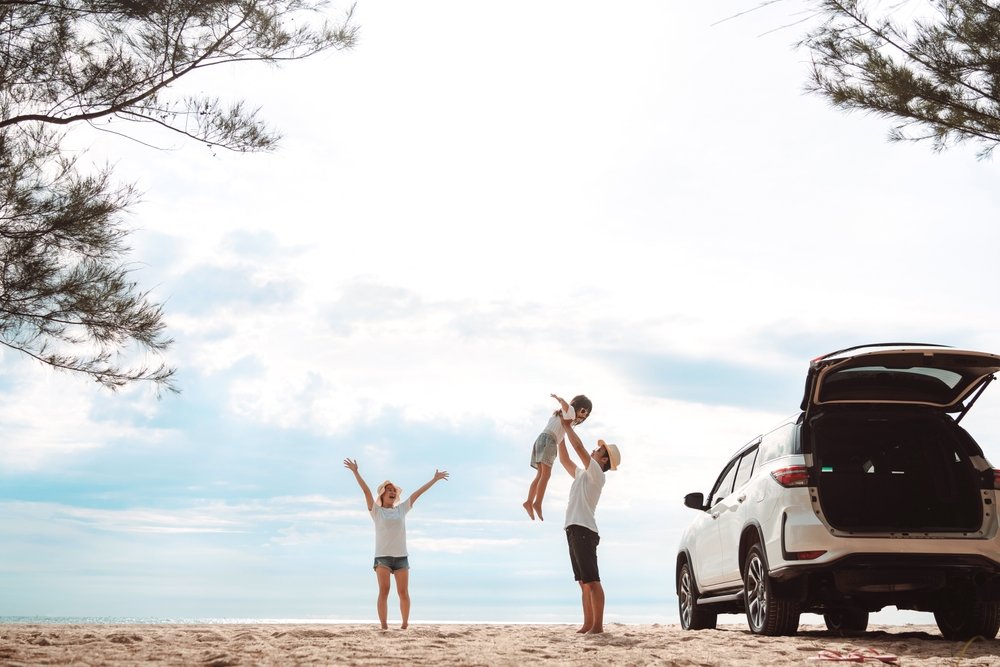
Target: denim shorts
point(583, 553)
point(544, 450)
point(392, 562)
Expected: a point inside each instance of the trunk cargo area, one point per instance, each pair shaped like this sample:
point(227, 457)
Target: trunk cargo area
point(906, 471)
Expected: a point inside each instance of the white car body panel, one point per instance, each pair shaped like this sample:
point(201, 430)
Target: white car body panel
point(925, 387)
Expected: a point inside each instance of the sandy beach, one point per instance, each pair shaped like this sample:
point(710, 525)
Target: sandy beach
point(220, 645)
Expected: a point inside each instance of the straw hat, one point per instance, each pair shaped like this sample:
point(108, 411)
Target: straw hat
point(614, 454)
point(381, 489)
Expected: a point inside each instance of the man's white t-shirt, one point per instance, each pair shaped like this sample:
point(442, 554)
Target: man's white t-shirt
point(583, 496)
point(390, 529)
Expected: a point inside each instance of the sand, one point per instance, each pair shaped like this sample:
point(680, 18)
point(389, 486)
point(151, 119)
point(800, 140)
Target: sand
point(219, 645)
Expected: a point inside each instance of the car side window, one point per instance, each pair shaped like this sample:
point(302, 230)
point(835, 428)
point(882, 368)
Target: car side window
point(725, 485)
point(779, 442)
point(745, 468)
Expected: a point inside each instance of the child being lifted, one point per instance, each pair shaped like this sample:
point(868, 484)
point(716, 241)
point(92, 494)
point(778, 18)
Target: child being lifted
point(543, 453)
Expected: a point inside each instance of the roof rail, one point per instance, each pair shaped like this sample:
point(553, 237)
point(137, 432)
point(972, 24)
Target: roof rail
point(858, 347)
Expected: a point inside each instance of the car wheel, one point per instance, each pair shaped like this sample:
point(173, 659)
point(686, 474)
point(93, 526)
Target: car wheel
point(967, 620)
point(766, 614)
point(692, 617)
point(846, 620)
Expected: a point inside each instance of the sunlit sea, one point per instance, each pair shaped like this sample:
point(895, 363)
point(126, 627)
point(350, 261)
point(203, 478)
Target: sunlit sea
point(131, 620)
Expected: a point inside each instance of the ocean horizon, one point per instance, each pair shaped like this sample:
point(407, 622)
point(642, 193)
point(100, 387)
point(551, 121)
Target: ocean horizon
point(139, 620)
point(885, 617)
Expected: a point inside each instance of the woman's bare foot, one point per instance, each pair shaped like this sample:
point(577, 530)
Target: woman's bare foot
point(538, 510)
point(527, 507)
point(584, 630)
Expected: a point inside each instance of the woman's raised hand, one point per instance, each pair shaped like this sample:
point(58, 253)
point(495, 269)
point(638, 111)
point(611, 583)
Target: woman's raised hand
point(351, 465)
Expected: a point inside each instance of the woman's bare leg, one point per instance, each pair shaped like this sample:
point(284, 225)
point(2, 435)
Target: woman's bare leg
point(403, 591)
point(382, 575)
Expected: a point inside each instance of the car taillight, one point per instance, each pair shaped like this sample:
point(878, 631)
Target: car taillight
point(791, 476)
point(996, 479)
point(805, 555)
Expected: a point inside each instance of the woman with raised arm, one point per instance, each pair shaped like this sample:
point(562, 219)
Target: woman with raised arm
point(391, 557)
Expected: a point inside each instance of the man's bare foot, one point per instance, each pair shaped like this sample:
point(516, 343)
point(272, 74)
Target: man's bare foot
point(595, 631)
point(385, 626)
point(404, 626)
point(584, 630)
point(538, 510)
point(527, 507)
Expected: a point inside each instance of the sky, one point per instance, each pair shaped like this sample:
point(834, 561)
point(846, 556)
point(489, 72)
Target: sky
point(479, 205)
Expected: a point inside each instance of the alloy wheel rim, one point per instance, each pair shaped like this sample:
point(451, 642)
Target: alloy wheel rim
point(756, 593)
point(686, 599)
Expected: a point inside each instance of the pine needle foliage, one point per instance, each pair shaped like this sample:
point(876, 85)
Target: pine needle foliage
point(67, 297)
point(932, 66)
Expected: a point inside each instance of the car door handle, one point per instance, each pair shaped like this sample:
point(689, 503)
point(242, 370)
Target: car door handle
point(742, 498)
point(715, 515)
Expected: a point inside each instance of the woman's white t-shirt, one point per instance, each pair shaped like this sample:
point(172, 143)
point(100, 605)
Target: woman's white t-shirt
point(390, 529)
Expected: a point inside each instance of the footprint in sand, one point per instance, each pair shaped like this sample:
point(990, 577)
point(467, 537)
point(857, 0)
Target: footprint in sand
point(221, 660)
point(306, 634)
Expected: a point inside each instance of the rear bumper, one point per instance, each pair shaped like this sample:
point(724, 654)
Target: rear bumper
point(901, 567)
point(905, 580)
point(912, 572)
point(799, 530)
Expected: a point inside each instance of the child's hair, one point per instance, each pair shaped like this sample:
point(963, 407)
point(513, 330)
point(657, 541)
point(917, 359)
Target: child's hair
point(582, 401)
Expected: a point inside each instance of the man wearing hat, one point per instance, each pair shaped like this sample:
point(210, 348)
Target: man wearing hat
point(581, 526)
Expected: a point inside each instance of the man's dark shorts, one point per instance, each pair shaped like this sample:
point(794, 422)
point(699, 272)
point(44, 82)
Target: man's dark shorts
point(583, 553)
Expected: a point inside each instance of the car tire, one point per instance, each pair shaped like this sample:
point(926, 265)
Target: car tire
point(964, 621)
point(846, 620)
point(693, 617)
point(766, 614)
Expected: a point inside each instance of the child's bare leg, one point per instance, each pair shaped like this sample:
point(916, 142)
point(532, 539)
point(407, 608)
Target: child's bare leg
point(544, 472)
point(382, 575)
point(528, 504)
point(403, 591)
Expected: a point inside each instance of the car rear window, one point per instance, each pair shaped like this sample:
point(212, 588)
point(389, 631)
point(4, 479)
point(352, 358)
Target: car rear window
point(933, 385)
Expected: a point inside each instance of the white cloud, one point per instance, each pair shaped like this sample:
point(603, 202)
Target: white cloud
point(199, 516)
point(51, 418)
point(463, 545)
point(473, 210)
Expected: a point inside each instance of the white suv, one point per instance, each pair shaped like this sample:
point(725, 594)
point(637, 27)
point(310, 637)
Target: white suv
point(873, 496)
